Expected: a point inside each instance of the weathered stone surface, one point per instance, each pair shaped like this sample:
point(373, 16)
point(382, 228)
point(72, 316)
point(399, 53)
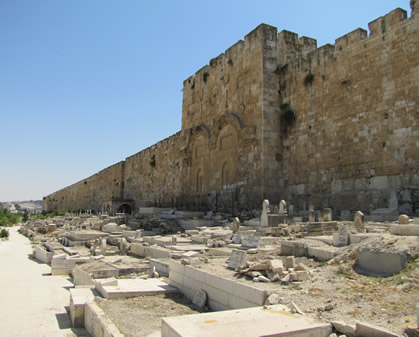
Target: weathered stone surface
point(259, 266)
point(237, 259)
point(299, 276)
point(276, 266)
point(264, 221)
point(344, 328)
point(290, 262)
point(250, 240)
point(253, 274)
point(403, 219)
point(359, 221)
point(273, 299)
point(262, 278)
point(244, 128)
point(200, 298)
point(341, 238)
point(236, 225)
point(365, 329)
point(327, 214)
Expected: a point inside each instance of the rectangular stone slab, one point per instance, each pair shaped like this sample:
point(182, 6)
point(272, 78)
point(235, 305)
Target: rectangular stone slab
point(132, 288)
point(271, 321)
point(186, 248)
point(86, 235)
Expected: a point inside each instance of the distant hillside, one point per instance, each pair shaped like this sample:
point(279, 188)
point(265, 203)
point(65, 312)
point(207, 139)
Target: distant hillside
point(31, 205)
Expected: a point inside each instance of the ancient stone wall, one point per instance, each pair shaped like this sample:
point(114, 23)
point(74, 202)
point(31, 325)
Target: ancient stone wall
point(276, 117)
point(222, 123)
point(153, 177)
point(89, 193)
point(353, 144)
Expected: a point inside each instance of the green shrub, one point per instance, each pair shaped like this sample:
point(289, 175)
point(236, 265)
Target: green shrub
point(287, 117)
point(8, 219)
point(4, 233)
point(46, 215)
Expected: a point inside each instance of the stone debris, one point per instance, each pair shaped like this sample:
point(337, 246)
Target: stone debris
point(290, 262)
point(262, 278)
point(276, 266)
point(275, 255)
point(273, 299)
point(344, 328)
point(295, 307)
point(274, 271)
point(327, 307)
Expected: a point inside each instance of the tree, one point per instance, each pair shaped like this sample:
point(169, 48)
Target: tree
point(25, 215)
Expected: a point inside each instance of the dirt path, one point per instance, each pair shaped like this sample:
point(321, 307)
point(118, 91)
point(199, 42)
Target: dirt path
point(32, 302)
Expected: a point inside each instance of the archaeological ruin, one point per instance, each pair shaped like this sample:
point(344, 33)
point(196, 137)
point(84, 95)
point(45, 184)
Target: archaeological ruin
point(288, 205)
point(277, 117)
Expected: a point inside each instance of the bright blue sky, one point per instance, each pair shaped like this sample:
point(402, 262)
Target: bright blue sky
point(86, 83)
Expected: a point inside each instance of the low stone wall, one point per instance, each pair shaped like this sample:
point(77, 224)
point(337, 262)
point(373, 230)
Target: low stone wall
point(300, 249)
point(63, 265)
point(223, 294)
point(81, 277)
point(97, 324)
point(380, 263)
point(153, 252)
point(43, 255)
point(410, 230)
point(162, 267)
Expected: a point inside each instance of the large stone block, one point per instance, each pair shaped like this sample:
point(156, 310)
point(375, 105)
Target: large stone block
point(219, 282)
point(195, 274)
point(404, 230)
point(217, 295)
point(249, 293)
point(381, 263)
point(365, 329)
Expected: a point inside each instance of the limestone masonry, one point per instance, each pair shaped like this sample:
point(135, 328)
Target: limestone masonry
point(275, 117)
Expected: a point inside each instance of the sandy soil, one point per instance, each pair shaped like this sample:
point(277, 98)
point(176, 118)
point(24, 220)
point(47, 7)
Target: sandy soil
point(141, 316)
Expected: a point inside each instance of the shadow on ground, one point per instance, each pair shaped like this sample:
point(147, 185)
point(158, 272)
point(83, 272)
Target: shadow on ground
point(30, 257)
point(64, 323)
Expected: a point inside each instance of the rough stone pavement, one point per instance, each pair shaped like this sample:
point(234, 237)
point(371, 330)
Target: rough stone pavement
point(32, 302)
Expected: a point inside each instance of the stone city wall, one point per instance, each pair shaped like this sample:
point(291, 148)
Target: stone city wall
point(276, 117)
point(89, 193)
point(153, 176)
point(353, 144)
point(222, 123)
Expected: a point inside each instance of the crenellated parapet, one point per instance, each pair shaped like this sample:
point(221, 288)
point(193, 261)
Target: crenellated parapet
point(277, 117)
point(353, 102)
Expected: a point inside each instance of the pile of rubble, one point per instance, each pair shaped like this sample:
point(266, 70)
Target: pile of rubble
point(275, 271)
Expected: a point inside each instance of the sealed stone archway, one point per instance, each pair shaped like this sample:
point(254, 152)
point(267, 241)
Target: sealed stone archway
point(124, 208)
point(112, 206)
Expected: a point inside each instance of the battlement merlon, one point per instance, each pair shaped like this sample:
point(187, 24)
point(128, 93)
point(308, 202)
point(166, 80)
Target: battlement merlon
point(350, 39)
point(382, 24)
point(251, 41)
